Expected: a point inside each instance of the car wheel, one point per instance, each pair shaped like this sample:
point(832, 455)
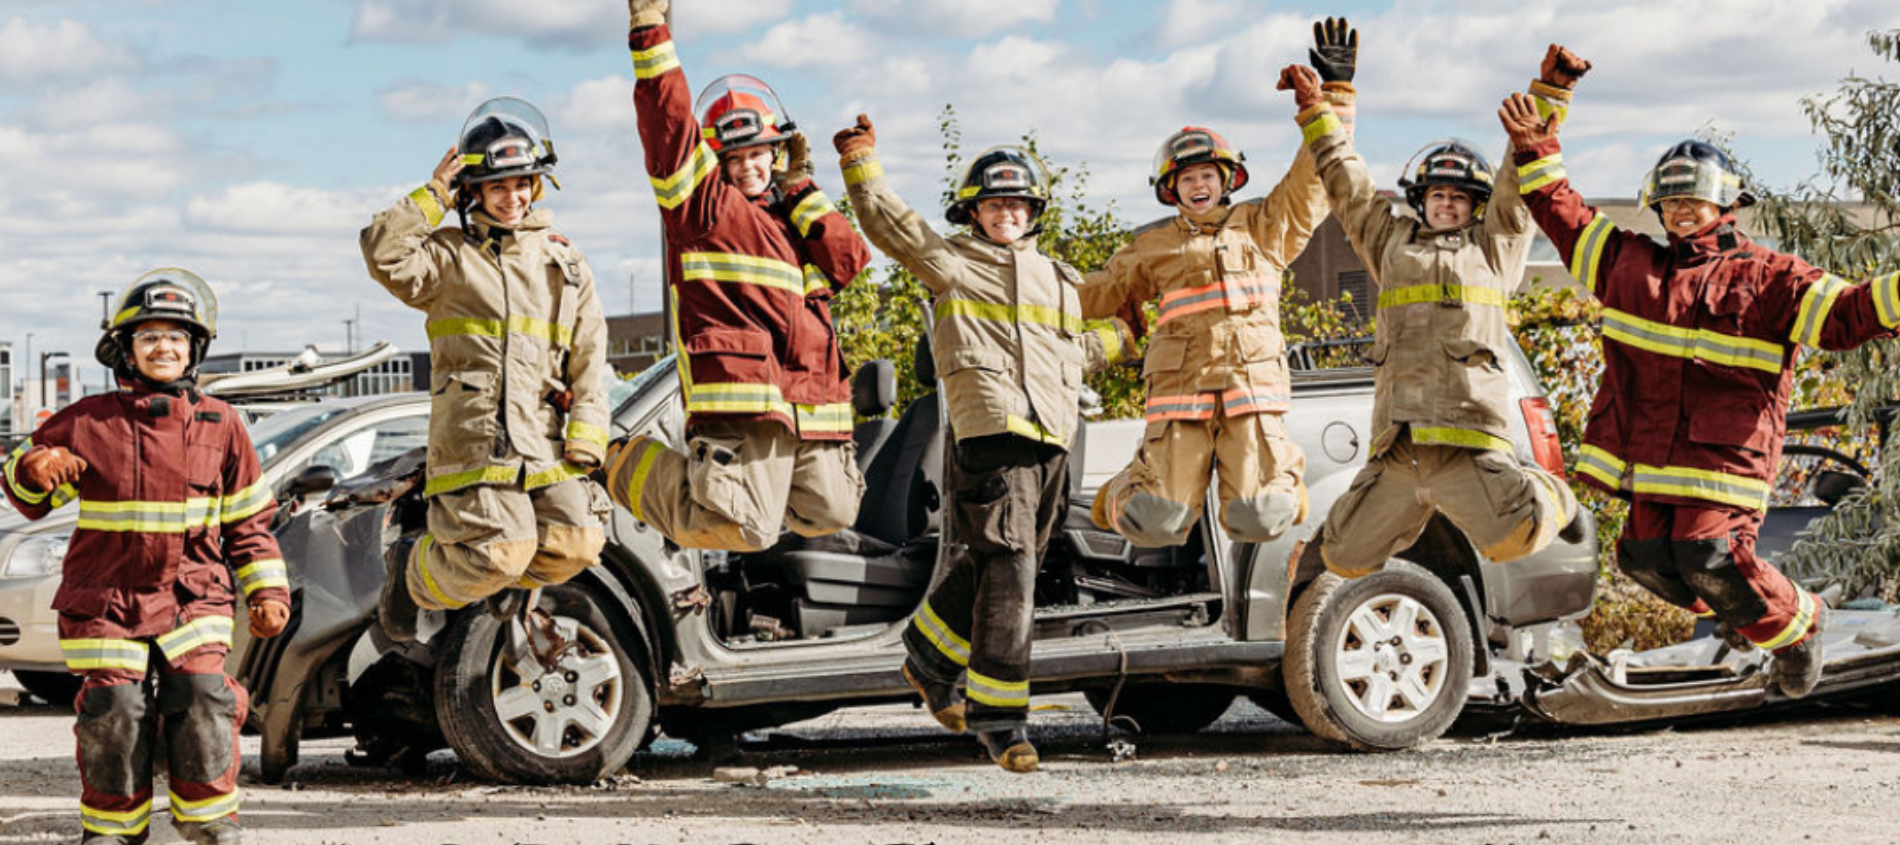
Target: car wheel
point(1380, 663)
point(56, 688)
point(1163, 708)
point(575, 724)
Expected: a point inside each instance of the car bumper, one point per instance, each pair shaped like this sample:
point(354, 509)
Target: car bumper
point(29, 633)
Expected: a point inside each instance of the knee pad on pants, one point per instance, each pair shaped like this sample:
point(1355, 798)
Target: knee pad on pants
point(1652, 564)
point(1151, 521)
point(201, 714)
point(116, 732)
point(1262, 518)
point(1708, 567)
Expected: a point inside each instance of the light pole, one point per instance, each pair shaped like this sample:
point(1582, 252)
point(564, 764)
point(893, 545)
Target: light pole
point(42, 403)
point(105, 322)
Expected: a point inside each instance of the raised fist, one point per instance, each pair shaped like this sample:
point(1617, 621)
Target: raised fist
point(1562, 68)
point(857, 138)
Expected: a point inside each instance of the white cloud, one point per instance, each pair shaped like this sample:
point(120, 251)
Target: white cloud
point(273, 208)
point(1187, 22)
point(604, 105)
point(31, 53)
point(424, 102)
point(826, 40)
point(695, 18)
point(957, 18)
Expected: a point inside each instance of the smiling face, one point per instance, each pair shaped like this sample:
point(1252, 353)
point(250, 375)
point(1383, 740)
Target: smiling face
point(161, 350)
point(507, 200)
point(1447, 207)
point(1199, 187)
point(1685, 216)
point(749, 169)
point(1003, 219)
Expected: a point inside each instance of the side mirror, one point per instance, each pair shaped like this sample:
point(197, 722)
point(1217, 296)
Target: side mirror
point(312, 481)
point(1832, 485)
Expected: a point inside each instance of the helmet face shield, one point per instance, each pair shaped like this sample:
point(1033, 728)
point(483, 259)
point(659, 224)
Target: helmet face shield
point(1694, 170)
point(505, 137)
point(1190, 146)
point(738, 111)
point(1449, 162)
point(1002, 171)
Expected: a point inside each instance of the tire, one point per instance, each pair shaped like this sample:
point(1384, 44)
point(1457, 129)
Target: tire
point(1163, 708)
point(55, 688)
point(545, 739)
point(1341, 664)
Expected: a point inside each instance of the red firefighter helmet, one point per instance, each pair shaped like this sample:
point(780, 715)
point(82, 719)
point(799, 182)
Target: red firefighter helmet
point(1190, 146)
point(738, 111)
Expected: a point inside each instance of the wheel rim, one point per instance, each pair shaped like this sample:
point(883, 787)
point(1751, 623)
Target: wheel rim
point(1391, 657)
point(564, 712)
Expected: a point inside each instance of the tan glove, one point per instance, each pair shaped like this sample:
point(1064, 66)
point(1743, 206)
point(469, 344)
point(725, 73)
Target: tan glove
point(798, 168)
point(1521, 122)
point(268, 618)
point(644, 13)
point(1303, 81)
point(857, 141)
point(1562, 68)
point(442, 181)
point(48, 467)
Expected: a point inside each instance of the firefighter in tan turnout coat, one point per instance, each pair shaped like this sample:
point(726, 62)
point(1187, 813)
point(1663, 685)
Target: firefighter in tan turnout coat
point(1441, 437)
point(517, 350)
point(1216, 368)
point(1011, 349)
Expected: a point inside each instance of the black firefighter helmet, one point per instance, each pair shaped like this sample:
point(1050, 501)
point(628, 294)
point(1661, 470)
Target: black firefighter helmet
point(503, 138)
point(1003, 171)
point(1451, 162)
point(171, 294)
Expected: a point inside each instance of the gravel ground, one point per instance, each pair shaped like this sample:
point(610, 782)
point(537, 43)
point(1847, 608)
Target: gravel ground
point(882, 775)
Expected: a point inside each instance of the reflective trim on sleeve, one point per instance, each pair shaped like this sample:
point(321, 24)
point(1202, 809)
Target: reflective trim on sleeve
point(1539, 173)
point(815, 280)
point(1198, 406)
point(1320, 127)
point(1112, 349)
point(655, 60)
point(263, 575)
point(1417, 294)
point(453, 481)
point(577, 430)
point(431, 207)
point(564, 471)
point(833, 417)
point(673, 191)
point(1816, 303)
point(1799, 625)
point(995, 692)
point(421, 557)
point(1887, 299)
point(743, 269)
point(210, 809)
point(1461, 437)
point(20, 490)
point(196, 634)
point(111, 823)
point(1708, 485)
point(862, 170)
point(806, 214)
point(1693, 344)
point(1598, 463)
point(1587, 258)
point(245, 503)
point(558, 335)
point(939, 634)
point(84, 655)
point(1025, 427)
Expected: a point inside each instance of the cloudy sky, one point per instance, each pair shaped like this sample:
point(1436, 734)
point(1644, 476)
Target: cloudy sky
point(250, 141)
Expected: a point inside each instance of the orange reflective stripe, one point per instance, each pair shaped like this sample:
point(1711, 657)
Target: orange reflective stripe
point(1234, 294)
point(1198, 406)
point(1243, 400)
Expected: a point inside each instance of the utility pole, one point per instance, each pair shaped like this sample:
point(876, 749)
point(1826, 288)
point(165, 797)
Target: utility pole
point(349, 335)
point(105, 321)
point(43, 403)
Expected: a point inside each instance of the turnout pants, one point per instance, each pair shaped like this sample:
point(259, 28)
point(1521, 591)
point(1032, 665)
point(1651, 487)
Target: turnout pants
point(134, 690)
point(1508, 509)
point(1157, 499)
point(1702, 559)
point(737, 485)
point(491, 537)
point(1007, 495)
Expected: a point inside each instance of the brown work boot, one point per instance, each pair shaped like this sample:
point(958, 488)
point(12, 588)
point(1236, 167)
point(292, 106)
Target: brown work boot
point(940, 699)
point(396, 609)
point(222, 831)
point(1010, 749)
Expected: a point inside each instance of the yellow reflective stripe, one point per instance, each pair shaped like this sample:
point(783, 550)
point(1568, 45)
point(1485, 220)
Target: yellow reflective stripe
point(263, 575)
point(421, 554)
point(451, 482)
point(564, 471)
point(149, 517)
point(577, 430)
point(1708, 485)
point(20, 490)
point(939, 634)
point(806, 214)
point(1320, 127)
point(1044, 315)
point(655, 60)
point(1541, 172)
point(215, 807)
point(431, 207)
point(198, 633)
point(1587, 258)
point(1816, 303)
point(737, 398)
point(640, 471)
point(1031, 429)
point(1887, 299)
point(672, 191)
point(830, 417)
point(1111, 335)
point(1693, 344)
point(1599, 464)
point(245, 503)
point(473, 159)
point(110, 823)
point(746, 269)
point(86, 654)
point(1463, 437)
point(492, 327)
point(815, 280)
point(1798, 626)
point(64, 494)
point(127, 314)
point(862, 170)
point(1549, 108)
point(995, 692)
point(1417, 294)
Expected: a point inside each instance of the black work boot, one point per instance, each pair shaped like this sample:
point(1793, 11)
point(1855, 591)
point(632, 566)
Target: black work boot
point(1798, 669)
point(396, 609)
point(221, 831)
point(90, 838)
point(1736, 642)
point(1010, 749)
point(940, 699)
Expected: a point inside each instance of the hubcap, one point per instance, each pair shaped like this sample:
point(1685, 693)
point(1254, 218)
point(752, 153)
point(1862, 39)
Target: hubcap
point(562, 712)
point(1391, 657)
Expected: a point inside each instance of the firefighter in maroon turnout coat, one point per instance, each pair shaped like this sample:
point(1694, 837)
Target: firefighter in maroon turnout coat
point(171, 508)
point(754, 253)
point(1699, 335)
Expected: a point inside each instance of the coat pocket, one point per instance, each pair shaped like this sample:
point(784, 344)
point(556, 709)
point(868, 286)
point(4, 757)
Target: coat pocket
point(723, 355)
point(463, 412)
point(717, 478)
point(1165, 355)
point(207, 583)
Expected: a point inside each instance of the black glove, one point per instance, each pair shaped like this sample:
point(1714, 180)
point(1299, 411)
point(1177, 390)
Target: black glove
point(1335, 52)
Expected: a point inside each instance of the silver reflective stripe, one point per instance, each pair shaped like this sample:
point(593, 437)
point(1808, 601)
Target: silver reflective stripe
point(996, 693)
point(1696, 344)
point(933, 628)
point(1816, 304)
point(200, 632)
